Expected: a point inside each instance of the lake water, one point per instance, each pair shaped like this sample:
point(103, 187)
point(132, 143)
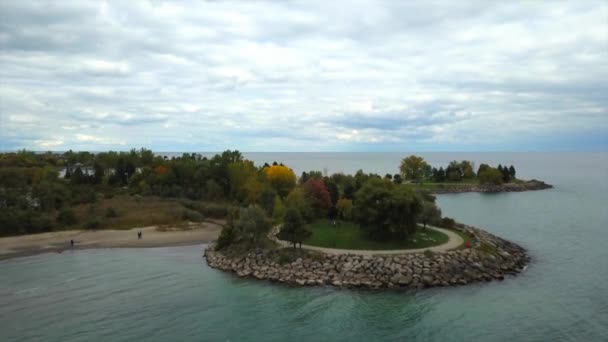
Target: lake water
point(169, 294)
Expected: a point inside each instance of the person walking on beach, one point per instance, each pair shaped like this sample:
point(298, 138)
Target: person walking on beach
point(139, 235)
point(72, 243)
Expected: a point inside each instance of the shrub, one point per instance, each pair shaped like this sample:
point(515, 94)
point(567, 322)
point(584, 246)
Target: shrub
point(226, 237)
point(93, 223)
point(110, 212)
point(215, 210)
point(66, 216)
point(447, 222)
point(191, 215)
point(429, 253)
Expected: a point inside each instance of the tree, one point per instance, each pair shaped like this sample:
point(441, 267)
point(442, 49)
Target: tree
point(490, 175)
point(238, 174)
point(78, 177)
point(252, 223)
point(482, 167)
point(278, 210)
point(512, 172)
point(467, 168)
point(334, 192)
point(281, 178)
point(98, 173)
point(297, 199)
point(430, 213)
point(397, 178)
point(345, 208)
point(293, 229)
point(319, 197)
point(453, 171)
point(385, 211)
point(267, 199)
point(415, 168)
point(506, 177)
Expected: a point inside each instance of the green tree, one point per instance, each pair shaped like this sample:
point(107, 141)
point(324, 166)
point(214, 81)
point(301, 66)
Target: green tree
point(298, 199)
point(334, 192)
point(430, 213)
point(345, 208)
point(385, 211)
point(482, 167)
point(239, 173)
point(293, 229)
point(414, 168)
point(512, 172)
point(252, 223)
point(467, 168)
point(490, 176)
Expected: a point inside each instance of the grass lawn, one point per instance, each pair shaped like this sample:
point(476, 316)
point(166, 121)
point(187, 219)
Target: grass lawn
point(348, 235)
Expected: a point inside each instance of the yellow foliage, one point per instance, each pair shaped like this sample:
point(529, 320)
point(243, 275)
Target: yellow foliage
point(281, 178)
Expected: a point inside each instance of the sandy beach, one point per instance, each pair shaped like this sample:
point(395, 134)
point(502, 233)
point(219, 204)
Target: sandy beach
point(57, 242)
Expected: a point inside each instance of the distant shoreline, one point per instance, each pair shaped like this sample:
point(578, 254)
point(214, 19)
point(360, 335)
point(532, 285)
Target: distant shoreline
point(58, 242)
point(531, 185)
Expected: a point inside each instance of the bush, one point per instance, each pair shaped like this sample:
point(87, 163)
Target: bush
point(226, 237)
point(93, 223)
point(110, 212)
point(447, 222)
point(215, 210)
point(191, 215)
point(67, 217)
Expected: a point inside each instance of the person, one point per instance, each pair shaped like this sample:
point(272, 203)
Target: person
point(138, 235)
point(72, 243)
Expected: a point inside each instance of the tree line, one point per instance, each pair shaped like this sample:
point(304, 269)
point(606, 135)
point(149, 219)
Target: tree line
point(36, 197)
point(416, 169)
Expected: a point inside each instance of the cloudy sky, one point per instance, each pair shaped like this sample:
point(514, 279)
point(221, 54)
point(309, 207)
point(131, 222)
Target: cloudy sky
point(304, 75)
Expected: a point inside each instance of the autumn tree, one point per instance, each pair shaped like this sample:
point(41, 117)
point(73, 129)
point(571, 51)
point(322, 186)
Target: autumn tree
point(318, 195)
point(281, 178)
point(415, 168)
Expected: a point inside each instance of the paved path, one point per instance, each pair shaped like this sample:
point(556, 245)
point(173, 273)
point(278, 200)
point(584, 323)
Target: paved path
point(454, 242)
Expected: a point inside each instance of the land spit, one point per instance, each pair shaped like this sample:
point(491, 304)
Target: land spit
point(530, 185)
point(488, 258)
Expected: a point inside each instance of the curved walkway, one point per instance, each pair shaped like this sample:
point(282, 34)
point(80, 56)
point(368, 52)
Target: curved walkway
point(454, 242)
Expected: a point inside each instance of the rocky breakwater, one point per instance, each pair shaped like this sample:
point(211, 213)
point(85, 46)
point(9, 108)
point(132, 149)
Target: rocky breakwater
point(489, 258)
point(506, 187)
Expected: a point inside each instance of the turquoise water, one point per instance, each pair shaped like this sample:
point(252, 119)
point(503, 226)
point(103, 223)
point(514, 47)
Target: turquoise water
point(169, 294)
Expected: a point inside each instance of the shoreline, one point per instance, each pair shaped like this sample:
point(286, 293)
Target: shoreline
point(58, 242)
point(490, 258)
point(531, 185)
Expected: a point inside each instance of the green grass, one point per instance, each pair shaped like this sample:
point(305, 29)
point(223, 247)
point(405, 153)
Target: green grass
point(348, 235)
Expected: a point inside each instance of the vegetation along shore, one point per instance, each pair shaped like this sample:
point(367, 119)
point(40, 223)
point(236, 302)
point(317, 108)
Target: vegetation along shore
point(356, 230)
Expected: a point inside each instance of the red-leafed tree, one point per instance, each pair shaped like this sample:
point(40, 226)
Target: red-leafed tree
point(319, 196)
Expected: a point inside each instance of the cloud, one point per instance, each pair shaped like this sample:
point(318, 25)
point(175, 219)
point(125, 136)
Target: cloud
point(316, 75)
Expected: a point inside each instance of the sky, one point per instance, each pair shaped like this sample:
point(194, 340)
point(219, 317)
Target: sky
point(304, 75)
